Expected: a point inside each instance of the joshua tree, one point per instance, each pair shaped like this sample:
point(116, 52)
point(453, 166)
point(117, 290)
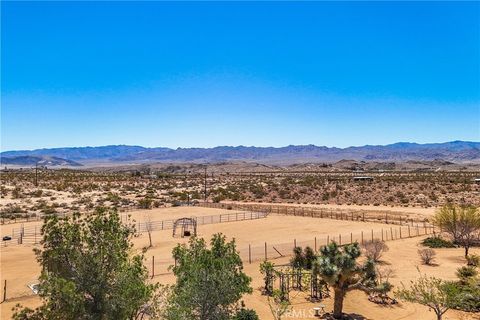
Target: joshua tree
point(340, 270)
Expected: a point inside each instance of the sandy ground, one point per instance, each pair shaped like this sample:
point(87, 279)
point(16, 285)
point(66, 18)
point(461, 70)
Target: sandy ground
point(19, 268)
point(411, 211)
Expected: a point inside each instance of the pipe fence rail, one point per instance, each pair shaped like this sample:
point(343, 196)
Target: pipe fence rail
point(376, 216)
point(31, 234)
point(267, 250)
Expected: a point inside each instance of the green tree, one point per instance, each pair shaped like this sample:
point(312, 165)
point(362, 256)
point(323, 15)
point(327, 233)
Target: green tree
point(89, 271)
point(278, 306)
point(245, 314)
point(431, 292)
point(461, 222)
point(210, 281)
point(268, 271)
point(339, 269)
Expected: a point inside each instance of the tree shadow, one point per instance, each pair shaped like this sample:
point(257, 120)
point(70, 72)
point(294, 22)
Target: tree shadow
point(345, 316)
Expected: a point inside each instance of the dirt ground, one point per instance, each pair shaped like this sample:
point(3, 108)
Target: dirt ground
point(280, 233)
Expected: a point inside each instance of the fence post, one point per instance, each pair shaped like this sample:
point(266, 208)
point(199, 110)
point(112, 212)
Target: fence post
point(340, 239)
point(4, 290)
point(153, 266)
point(391, 233)
point(294, 243)
point(328, 240)
point(363, 216)
point(351, 237)
point(249, 254)
point(400, 231)
point(362, 237)
point(265, 251)
point(372, 235)
point(315, 244)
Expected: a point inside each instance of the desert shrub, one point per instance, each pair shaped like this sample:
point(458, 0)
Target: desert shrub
point(245, 314)
point(427, 256)
point(465, 273)
point(437, 242)
point(145, 203)
point(374, 249)
point(473, 260)
point(467, 296)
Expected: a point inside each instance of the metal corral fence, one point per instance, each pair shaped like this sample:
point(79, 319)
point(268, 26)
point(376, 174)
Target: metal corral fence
point(378, 216)
point(202, 220)
point(31, 234)
point(255, 252)
point(270, 251)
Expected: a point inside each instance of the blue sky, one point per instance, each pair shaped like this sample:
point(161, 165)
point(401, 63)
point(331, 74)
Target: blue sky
point(266, 74)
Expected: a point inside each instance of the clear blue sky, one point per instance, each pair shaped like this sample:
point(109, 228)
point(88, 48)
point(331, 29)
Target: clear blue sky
point(266, 74)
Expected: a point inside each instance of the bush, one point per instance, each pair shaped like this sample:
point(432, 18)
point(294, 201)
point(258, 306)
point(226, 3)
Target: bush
point(437, 242)
point(145, 203)
point(465, 273)
point(473, 260)
point(375, 249)
point(427, 256)
point(467, 296)
point(246, 314)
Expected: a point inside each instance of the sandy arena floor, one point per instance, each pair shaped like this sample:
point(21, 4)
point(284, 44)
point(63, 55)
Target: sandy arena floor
point(19, 268)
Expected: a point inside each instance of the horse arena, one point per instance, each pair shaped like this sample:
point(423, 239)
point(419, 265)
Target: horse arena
point(260, 232)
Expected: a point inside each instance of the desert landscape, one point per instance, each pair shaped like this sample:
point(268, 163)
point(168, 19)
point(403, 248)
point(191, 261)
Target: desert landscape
point(264, 230)
point(239, 160)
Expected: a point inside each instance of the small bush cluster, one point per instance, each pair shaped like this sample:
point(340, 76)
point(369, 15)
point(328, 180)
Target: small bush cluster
point(437, 242)
point(427, 256)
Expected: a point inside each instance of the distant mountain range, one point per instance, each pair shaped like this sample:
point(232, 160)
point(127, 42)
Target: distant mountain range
point(48, 161)
point(455, 151)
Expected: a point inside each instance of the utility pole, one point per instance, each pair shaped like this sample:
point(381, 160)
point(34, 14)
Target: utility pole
point(205, 184)
point(36, 174)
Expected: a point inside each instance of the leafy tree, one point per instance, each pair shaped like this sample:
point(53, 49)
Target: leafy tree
point(303, 259)
point(339, 269)
point(210, 281)
point(461, 222)
point(89, 272)
point(245, 314)
point(431, 292)
point(268, 272)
